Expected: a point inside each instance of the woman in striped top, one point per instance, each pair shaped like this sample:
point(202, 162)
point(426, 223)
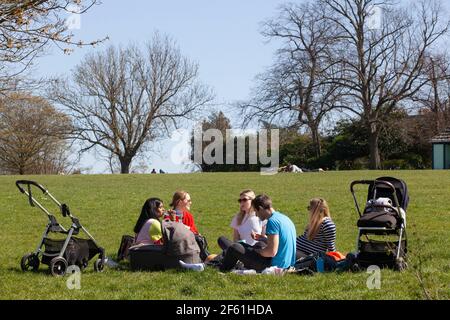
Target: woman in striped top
point(320, 234)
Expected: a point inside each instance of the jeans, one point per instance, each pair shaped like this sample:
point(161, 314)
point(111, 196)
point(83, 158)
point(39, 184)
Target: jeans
point(224, 243)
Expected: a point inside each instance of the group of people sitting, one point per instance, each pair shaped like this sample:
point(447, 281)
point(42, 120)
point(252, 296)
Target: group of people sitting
point(262, 236)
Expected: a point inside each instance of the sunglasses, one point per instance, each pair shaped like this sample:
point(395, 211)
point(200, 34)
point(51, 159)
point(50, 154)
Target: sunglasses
point(242, 200)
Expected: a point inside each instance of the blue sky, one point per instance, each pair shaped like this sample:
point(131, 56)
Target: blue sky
point(222, 36)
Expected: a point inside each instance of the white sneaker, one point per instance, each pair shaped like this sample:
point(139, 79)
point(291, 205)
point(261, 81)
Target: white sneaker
point(244, 272)
point(193, 266)
point(111, 263)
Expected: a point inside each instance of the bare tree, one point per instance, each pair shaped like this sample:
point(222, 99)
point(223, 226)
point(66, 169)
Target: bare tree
point(295, 91)
point(32, 136)
point(434, 97)
point(122, 99)
point(383, 65)
point(27, 27)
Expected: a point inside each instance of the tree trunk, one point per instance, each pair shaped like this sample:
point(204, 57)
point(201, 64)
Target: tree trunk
point(375, 159)
point(316, 141)
point(125, 163)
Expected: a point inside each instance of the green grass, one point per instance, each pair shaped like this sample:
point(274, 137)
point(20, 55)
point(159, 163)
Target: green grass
point(108, 207)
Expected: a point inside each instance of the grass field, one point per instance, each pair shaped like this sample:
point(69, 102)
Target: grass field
point(109, 206)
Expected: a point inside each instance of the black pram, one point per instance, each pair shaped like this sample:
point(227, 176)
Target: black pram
point(60, 254)
point(384, 216)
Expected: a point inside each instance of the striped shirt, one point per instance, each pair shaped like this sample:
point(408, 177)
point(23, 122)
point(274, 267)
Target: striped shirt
point(324, 241)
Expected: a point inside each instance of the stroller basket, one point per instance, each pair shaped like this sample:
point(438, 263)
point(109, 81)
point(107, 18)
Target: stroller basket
point(379, 253)
point(78, 252)
point(385, 247)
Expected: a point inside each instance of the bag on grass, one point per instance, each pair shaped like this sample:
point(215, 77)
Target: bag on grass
point(311, 262)
point(180, 242)
point(216, 260)
point(332, 261)
point(203, 245)
point(125, 244)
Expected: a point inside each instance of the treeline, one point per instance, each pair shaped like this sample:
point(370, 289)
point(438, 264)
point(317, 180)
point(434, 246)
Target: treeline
point(404, 144)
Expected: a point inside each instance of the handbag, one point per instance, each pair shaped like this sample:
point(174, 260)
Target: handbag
point(125, 244)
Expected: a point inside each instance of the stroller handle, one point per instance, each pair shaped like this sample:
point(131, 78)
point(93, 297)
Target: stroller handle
point(354, 183)
point(375, 182)
point(19, 184)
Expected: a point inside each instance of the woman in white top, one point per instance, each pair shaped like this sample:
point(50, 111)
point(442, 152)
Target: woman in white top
point(245, 223)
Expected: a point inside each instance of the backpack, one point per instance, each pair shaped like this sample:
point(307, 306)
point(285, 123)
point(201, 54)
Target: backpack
point(180, 242)
point(203, 245)
point(332, 261)
point(215, 260)
point(125, 244)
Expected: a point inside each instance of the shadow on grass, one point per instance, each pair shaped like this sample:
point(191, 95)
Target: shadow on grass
point(18, 271)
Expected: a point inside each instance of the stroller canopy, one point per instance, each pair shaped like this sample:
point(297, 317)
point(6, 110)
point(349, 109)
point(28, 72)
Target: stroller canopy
point(380, 190)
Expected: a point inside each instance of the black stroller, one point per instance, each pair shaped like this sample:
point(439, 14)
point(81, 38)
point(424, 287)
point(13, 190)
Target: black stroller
point(384, 217)
point(60, 254)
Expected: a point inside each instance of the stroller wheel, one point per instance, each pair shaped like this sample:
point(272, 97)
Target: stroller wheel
point(355, 268)
point(58, 266)
point(400, 264)
point(29, 262)
point(99, 265)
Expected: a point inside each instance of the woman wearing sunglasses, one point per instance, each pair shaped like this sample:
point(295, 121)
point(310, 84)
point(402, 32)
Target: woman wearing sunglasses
point(247, 227)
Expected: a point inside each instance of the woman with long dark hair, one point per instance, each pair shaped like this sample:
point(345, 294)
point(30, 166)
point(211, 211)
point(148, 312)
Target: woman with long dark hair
point(148, 225)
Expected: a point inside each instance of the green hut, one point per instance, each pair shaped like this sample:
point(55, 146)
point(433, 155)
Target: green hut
point(441, 150)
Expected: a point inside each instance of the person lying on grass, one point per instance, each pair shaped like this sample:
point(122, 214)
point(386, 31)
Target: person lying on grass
point(148, 225)
point(280, 249)
point(320, 234)
point(245, 224)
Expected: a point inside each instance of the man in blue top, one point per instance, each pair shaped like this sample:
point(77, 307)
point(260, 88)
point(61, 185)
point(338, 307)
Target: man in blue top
point(280, 250)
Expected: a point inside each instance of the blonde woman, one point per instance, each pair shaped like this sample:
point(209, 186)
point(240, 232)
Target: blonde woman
point(247, 227)
point(320, 234)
